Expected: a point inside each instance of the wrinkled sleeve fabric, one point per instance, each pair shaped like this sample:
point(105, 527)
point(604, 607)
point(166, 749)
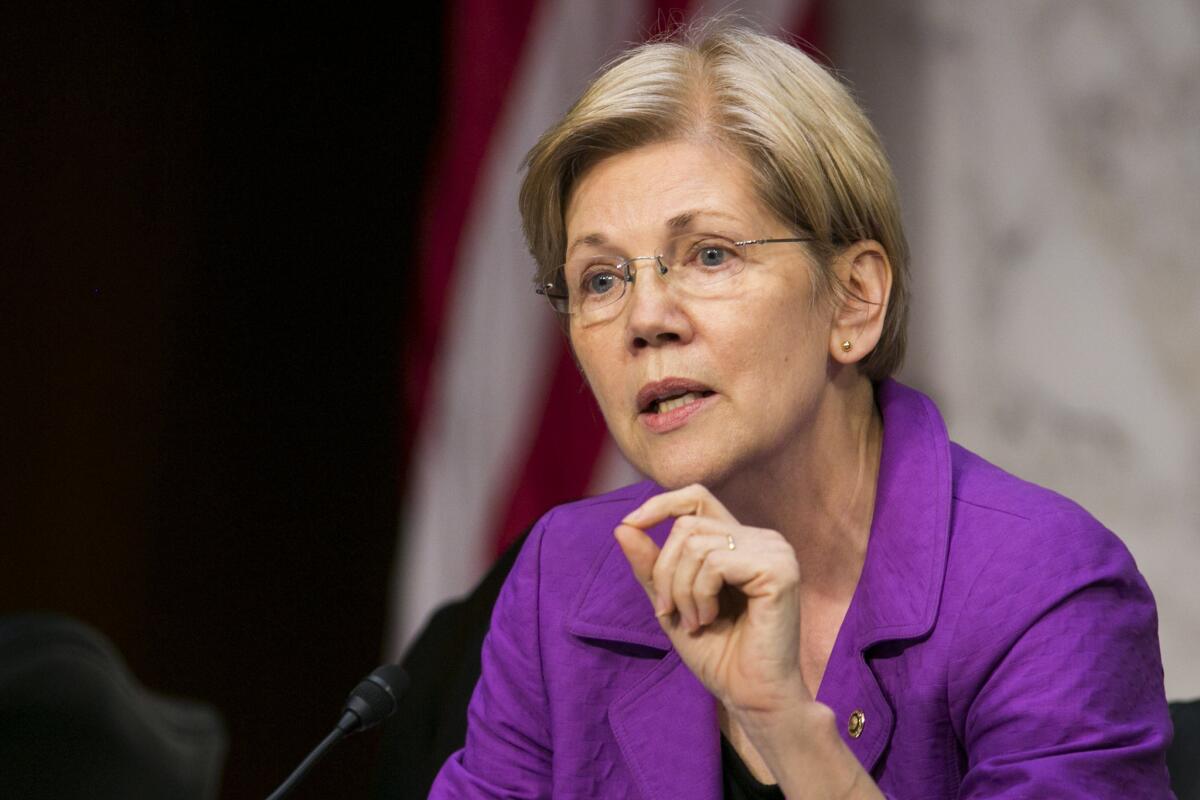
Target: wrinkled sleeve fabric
point(508, 751)
point(1056, 684)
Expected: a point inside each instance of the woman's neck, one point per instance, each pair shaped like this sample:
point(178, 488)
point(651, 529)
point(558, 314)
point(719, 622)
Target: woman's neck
point(820, 493)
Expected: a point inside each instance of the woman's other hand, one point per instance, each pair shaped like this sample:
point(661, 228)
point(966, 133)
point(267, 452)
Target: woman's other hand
point(726, 595)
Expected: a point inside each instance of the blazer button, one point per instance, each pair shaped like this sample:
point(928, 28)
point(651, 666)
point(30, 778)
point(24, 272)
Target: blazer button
point(855, 726)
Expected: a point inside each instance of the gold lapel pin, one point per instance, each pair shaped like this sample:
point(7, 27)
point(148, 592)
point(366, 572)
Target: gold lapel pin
point(857, 720)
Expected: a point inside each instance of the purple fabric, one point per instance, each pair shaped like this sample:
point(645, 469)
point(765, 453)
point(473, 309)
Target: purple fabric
point(1000, 643)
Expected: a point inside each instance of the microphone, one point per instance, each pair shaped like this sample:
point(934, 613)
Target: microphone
point(372, 701)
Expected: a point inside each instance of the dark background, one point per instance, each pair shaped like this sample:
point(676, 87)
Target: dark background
point(207, 225)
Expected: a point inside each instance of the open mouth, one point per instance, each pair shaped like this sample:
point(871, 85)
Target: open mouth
point(669, 403)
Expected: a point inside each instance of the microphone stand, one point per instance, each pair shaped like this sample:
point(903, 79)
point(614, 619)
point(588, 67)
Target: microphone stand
point(307, 764)
point(374, 699)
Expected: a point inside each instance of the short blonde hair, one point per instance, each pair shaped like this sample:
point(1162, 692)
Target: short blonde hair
point(816, 161)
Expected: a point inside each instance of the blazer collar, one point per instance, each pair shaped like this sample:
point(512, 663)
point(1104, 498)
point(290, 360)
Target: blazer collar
point(611, 604)
point(901, 583)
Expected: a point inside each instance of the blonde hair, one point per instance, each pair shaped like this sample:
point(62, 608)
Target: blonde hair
point(816, 161)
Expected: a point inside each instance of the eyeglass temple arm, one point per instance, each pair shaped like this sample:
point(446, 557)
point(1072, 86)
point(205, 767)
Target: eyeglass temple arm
point(772, 241)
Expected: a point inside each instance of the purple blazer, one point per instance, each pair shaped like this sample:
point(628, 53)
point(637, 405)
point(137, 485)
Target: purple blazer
point(1000, 643)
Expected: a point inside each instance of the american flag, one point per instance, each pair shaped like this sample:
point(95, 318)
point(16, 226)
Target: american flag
point(503, 426)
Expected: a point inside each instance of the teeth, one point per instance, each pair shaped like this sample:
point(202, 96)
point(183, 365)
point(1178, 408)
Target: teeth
point(677, 402)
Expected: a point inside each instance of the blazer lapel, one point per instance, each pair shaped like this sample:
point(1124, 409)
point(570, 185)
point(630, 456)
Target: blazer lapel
point(666, 727)
point(612, 606)
point(864, 717)
point(898, 593)
point(665, 724)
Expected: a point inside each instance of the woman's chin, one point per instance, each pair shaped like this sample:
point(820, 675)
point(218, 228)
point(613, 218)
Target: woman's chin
point(674, 471)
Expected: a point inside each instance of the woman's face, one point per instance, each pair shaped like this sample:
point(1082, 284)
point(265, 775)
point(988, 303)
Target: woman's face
point(751, 363)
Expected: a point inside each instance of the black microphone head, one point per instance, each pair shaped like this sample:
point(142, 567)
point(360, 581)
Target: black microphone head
point(374, 699)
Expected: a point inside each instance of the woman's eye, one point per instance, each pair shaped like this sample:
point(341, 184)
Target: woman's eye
point(713, 256)
point(598, 283)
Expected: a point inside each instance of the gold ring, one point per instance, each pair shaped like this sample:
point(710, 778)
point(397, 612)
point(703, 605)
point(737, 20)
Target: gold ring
point(732, 546)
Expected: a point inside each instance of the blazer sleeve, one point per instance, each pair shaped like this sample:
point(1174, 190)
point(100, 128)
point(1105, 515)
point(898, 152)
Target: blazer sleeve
point(1057, 681)
point(508, 750)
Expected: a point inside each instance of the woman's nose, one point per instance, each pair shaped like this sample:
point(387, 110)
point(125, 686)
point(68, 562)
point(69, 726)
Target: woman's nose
point(654, 315)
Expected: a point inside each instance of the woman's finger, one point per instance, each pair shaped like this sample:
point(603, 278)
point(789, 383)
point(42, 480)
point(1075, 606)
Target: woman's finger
point(685, 527)
point(758, 565)
point(707, 585)
point(694, 500)
point(668, 561)
point(693, 552)
point(687, 505)
point(641, 552)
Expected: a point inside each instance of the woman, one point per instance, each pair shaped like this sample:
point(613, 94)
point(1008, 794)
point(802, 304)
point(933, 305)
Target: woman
point(816, 593)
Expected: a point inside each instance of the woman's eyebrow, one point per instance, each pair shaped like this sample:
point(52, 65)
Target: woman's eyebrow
point(681, 222)
point(590, 239)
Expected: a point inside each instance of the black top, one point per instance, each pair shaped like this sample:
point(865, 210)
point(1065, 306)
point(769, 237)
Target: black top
point(738, 783)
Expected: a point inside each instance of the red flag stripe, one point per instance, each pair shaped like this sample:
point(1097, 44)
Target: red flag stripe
point(809, 27)
point(561, 458)
point(484, 45)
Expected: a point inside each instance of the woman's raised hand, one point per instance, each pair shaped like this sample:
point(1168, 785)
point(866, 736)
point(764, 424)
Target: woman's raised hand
point(726, 595)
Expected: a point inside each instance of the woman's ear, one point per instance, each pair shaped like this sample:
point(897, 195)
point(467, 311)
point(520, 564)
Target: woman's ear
point(860, 305)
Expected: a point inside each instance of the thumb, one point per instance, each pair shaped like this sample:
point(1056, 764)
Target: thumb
point(641, 552)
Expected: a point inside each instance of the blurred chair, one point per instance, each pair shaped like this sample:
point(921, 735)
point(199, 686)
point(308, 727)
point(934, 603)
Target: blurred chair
point(74, 723)
point(1183, 759)
point(443, 663)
